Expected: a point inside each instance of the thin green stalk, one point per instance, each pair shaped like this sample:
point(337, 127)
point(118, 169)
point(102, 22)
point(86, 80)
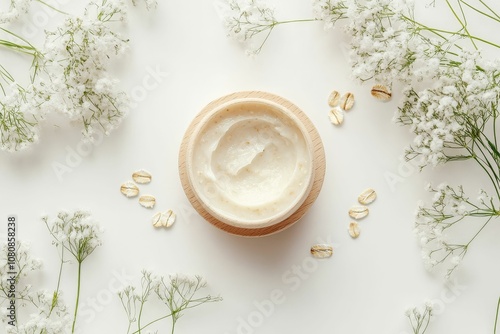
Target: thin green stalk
point(52, 7)
point(18, 37)
point(495, 140)
point(436, 31)
point(277, 23)
point(464, 23)
point(411, 20)
point(77, 296)
point(26, 49)
point(480, 230)
point(491, 10)
point(495, 18)
point(150, 323)
point(145, 294)
point(495, 116)
point(496, 317)
point(139, 329)
point(55, 296)
point(492, 155)
point(293, 21)
point(480, 162)
point(427, 324)
point(173, 325)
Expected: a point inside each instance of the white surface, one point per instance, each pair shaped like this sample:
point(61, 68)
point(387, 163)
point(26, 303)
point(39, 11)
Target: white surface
point(367, 284)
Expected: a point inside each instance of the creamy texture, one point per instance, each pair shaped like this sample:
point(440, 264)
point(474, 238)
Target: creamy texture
point(251, 164)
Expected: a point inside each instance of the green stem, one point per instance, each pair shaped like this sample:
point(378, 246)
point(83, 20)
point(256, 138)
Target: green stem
point(150, 323)
point(60, 271)
point(423, 26)
point(19, 37)
point(436, 31)
point(52, 7)
point(496, 317)
point(139, 329)
point(495, 18)
point(496, 181)
point(477, 233)
point(55, 296)
point(173, 325)
point(462, 23)
point(18, 47)
point(294, 21)
point(484, 163)
point(277, 23)
point(428, 321)
point(77, 296)
point(491, 10)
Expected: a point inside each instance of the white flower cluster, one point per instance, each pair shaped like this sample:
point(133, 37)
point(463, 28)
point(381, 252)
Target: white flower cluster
point(77, 55)
point(382, 46)
point(378, 51)
point(70, 75)
point(244, 19)
point(449, 206)
point(49, 313)
point(329, 11)
point(150, 4)
point(177, 292)
point(18, 120)
point(51, 316)
point(25, 264)
point(77, 232)
point(446, 117)
point(16, 8)
point(419, 318)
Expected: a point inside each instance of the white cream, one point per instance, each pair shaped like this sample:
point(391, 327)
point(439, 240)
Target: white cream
point(251, 163)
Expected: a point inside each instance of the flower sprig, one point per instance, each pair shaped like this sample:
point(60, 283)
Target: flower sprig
point(177, 293)
point(16, 8)
point(247, 20)
point(419, 319)
point(76, 234)
point(68, 73)
point(434, 224)
point(25, 266)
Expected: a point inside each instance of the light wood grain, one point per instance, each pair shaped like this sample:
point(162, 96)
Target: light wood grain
point(319, 165)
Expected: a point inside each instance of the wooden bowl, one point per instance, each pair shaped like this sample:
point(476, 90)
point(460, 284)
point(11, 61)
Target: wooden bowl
point(317, 175)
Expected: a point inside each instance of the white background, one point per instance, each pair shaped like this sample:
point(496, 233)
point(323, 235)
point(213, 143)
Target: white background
point(367, 284)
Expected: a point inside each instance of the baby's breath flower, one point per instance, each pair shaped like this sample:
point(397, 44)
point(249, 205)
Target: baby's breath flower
point(25, 264)
point(77, 55)
point(244, 19)
point(250, 22)
point(419, 318)
point(18, 124)
point(79, 234)
point(447, 117)
point(76, 232)
point(330, 11)
point(177, 292)
point(150, 4)
point(449, 206)
point(16, 8)
point(69, 74)
point(50, 314)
